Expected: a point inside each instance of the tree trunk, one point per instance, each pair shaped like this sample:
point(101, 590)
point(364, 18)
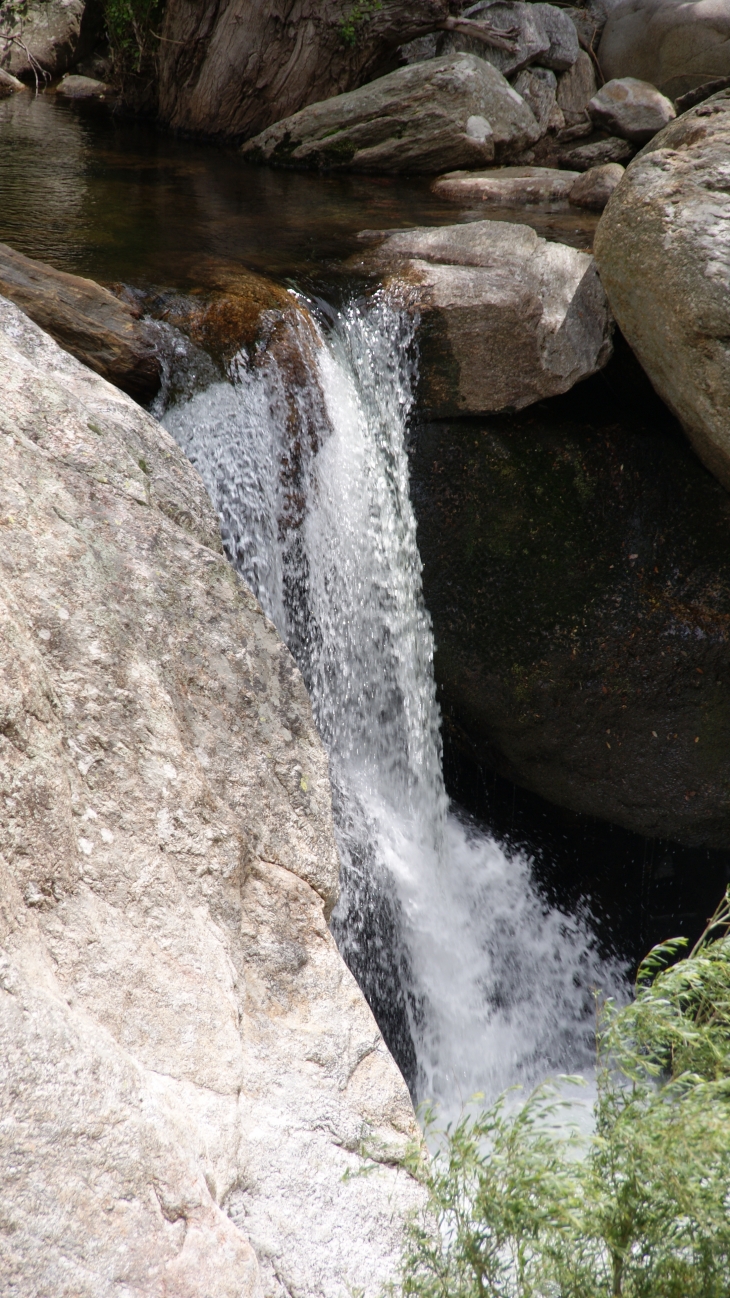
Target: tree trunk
point(232, 67)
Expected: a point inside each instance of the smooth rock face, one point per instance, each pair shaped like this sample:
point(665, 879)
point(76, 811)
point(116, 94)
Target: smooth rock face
point(538, 88)
point(663, 247)
point(577, 572)
point(453, 110)
point(503, 186)
point(55, 33)
point(575, 88)
point(633, 110)
point(561, 32)
point(189, 1070)
point(77, 87)
point(507, 318)
point(674, 44)
point(595, 187)
point(86, 319)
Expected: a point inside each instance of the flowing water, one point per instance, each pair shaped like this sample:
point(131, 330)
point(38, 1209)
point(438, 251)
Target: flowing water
point(476, 983)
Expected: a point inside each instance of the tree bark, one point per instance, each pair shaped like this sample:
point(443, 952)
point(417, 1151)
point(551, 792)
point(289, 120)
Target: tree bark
point(232, 67)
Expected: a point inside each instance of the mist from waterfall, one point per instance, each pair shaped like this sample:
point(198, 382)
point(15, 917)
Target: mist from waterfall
point(477, 984)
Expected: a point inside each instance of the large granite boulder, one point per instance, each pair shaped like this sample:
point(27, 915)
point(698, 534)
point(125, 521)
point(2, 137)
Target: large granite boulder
point(190, 1074)
point(86, 319)
point(577, 571)
point(507, 318)
point(456, 110)
point(49, 37)
point(631, 109)
point(674, 44)
point(663, 250)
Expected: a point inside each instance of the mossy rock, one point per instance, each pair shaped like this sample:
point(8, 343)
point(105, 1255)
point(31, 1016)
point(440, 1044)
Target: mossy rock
point(577, 569)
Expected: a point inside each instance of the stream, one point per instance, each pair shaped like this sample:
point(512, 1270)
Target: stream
point(477, 982)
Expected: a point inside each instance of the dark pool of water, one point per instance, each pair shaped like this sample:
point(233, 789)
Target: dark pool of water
point(119, 201)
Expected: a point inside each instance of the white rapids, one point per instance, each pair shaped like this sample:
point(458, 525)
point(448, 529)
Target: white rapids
point(476, 982)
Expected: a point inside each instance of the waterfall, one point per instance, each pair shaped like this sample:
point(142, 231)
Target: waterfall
point(476, 983)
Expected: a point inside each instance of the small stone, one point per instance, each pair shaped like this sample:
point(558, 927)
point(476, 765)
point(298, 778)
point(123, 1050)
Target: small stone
point(594, 188)
point(75, 87)
point(634, 110)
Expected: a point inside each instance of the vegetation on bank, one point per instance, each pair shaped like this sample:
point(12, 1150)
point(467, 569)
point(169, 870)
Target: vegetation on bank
point(517, 1209)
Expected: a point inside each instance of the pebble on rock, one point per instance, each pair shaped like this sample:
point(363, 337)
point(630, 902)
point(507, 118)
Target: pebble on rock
point(594, 188)
point(632, 109)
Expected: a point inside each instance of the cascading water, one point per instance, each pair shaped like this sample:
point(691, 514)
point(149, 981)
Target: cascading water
point(476, 983)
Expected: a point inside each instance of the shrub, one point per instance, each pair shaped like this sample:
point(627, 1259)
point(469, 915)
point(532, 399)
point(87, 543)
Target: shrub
point(518, 1209)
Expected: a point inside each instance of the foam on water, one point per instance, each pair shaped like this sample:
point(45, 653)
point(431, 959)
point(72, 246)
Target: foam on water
point(476, 982)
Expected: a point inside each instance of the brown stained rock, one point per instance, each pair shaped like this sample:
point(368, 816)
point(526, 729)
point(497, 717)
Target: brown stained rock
point(631, 109)
point(86, 319)
point(503, 186)
point(595, 187)
point(507, 318)
point(190, 1067)
point(663, 249)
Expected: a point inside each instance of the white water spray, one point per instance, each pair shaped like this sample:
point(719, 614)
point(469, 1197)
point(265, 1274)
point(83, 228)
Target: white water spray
point(477, 984)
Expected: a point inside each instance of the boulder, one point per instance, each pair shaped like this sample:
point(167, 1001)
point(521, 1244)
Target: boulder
point(575, 88)
point(504, 186)
point(595, 187)
point(521, 24)
point(452, 110)
point(674, 44)
point(662, 247)
point(507, 318)
point(86, 319)
point(577, 572)
point(9, 84)
point(85, 89)
point(633, 110)
point(190, 1074)
point(561, 32)
point(595, 152)
point(51, 36)
point(538, 87)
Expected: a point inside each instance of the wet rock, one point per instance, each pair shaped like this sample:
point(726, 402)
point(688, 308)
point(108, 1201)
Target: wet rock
point(84, 88)
point(453, 110)
point(9, 84)
point(596, 153)
point(51, 37)
point(663, 249)
point(86, 319)
point(504, 186)
point(575, 88)
point(561, 32)
point(577, 572)
point(182, 1044)
point(631, 109)
point(538, 88)
point(596, 186)
point(506, 317)
point(674, 46)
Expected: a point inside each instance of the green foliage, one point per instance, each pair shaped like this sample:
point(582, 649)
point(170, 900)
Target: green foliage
point(357, 15)
point(518, 1209)
point(132, 28)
